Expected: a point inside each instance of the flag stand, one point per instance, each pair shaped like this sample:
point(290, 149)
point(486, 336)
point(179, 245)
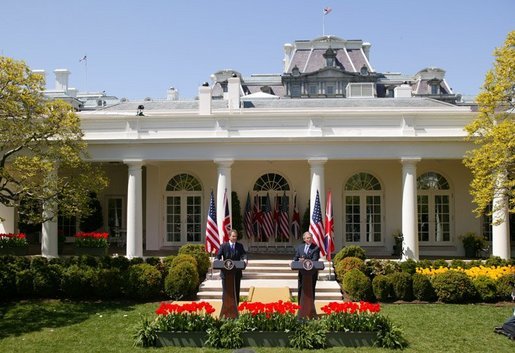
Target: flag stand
point(211, 267)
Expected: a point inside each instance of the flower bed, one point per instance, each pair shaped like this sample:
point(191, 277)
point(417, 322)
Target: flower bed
point(269, 324)
point(13, 244)
point(494, 272)
point(91, 240)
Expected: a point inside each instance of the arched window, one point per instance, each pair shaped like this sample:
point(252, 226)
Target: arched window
point(271, 192)
point(363, 209)
point(183, 209)
point(434, 209)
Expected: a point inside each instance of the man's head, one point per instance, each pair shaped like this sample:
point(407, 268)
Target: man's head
point(233, 236)
point(308, 239)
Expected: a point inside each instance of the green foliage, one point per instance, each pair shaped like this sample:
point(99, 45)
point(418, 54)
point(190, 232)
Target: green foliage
point(24, 283)
point(473, 243)
point(46, 281)
point(402, 285)
point(409, 266)
point(227, 334)
point(453, 287)
point(496, 261)
point(383, 288)
point(37, 136)
point(94, 220)
point(144, 282)
point(237, 220)
point(505, 286)
point(306, 219)
point(120, 262)
point(198, 251)
point(77, 282)
point(348, 264)
point(493, 160)
point(309, 335)
point(357, 285)
point(146, 333)
point(376, 267)
point(389, 335)
point(182, 281)
point(485, 288)
point(108, 283)
point(349, 251)
point(422, 288)
point(458, 263)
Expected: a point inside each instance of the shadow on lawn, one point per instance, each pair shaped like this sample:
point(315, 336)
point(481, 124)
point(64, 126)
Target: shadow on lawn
point(28, 316)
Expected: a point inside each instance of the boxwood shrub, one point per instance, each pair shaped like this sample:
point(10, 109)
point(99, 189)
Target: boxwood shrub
point(144, 282)
point(383, 288)
point(485, 288)
point(357, 286)
point(422, 288)
point(347, 264)
point(402, 285)
point(349, 250)
point(198, 251)
point(182, 281)
point(453, 287)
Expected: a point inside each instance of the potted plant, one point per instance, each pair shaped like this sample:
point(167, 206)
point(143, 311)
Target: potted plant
point(397, 246)
point(91, 243)
point(13, 244)
point(472, 243)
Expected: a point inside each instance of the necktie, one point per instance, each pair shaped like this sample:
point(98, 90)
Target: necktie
point(306, 249)
point(232, 248)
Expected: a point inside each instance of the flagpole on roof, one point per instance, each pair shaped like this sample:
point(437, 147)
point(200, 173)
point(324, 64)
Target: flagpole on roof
point(84, 59)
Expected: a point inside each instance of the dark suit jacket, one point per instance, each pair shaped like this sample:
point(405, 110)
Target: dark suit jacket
point(224, 253)
point(313, 252)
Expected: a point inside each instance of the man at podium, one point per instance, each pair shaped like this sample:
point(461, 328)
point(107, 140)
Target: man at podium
point(307, 250)
point(232, 250)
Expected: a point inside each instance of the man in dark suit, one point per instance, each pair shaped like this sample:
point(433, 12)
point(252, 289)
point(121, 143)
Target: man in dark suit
point(234, 251)
point(307, 250)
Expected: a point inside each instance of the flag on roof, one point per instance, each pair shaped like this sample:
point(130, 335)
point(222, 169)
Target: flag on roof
point(327, 10)
point(84, 58)
point(316, 227)
point(212, 240)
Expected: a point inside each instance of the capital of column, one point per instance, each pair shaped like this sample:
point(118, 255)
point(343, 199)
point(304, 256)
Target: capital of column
point(224, 162)
point(134, 163)
point(410, 161)
point(317, 161)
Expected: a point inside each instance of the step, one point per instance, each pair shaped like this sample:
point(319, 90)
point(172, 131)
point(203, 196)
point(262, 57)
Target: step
point(318, 295)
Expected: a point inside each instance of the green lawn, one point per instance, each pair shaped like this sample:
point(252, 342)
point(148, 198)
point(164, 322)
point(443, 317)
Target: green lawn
point(59, 326)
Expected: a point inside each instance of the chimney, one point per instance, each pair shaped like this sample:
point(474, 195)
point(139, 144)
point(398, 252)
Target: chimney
point(402, 91)
point(233, 92)
point(204, 99)
point(61, 80)
point(72, 92)
point(172, 94)
point(288, 49)
point(40, 72)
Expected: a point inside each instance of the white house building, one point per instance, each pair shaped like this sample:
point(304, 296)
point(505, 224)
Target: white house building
point(388, 146)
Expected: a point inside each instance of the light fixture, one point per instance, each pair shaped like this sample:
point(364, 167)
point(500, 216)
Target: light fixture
point(139, 112)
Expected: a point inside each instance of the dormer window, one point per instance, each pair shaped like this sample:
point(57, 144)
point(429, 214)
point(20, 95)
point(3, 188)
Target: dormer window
point(330, 58)
point(295, 71)
point(364, 70)
point(434, 85)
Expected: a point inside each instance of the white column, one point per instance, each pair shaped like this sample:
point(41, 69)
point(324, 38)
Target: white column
point(6, 219)
point(317, 183)
point(134, 209)
point(153, 209)
point(409, 209)
point(49, 228)
point(224, 183)
point(501, 224)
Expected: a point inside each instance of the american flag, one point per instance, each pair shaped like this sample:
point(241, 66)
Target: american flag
point(277, 206)
point(227, 226)
point(84, 58)
point(258, 218)
point(247, 218)
point(316, 227)
point(212, 240)
point(295, 219)
point(327, 10)
point(329, 227)
point(284, 221)
point(268, 223)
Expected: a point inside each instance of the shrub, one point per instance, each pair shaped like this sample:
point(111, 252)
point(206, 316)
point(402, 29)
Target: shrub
point(47, 281)
point(88, 260)
point(144, 282)
point(309, 335)
point(453, 287)
point(505, 285)
point(182, 281)
point(24, 283)
point(77, 282)
point(184, 258)
point(409, 266)
point(120, 262)
point(456, 263)
point(381, 267)
point(153, 261)
point(226, 334)
point(136, 261)
point(348, 251)
point(108, 283)
point(422, 288)
point(198, 251)
point(38, 263)
point(485, 288)
point(7, 281)
point(383, 288)
point(357, 285)
point(440, 263)
point(496, 261)
point(348, 264)
point(402, 285)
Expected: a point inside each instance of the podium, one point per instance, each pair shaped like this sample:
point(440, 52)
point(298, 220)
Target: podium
point(230, 297)
point(307, 268)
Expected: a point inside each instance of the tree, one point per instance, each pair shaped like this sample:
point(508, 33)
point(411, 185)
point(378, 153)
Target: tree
point(42, 154)
point(492, 162)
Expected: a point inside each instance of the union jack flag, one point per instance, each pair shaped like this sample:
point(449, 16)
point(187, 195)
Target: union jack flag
point(329, 227)
point(258, 218)
point(277, 205)
point(316, 227)
point(212, 240)
point(227, 225)
point(284, 221)
point(295, 219)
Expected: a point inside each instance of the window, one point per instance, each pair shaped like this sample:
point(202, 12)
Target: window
point(269, 191)
point(115, 215)
point(183, 210)
point(329, 90)
point(366, 90)
point(66, 226)
point(363, 209)
point(295, 90)
point(313, 90)
point(434, 209)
